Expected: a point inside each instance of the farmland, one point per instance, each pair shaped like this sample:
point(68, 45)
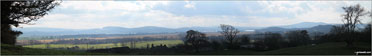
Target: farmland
point(140, 44)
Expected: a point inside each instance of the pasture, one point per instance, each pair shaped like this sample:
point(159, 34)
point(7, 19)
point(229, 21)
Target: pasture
point(141, 44)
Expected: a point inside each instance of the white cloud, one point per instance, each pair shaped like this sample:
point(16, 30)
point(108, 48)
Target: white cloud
point(310, 11)
point(281, 6)
point(327, 16)
point(166, 19)
point(190, 5)
point(111, 5)
point(141, 13)
point(77, 21)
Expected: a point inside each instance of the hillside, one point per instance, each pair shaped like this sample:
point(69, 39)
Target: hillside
point(304, 25)
point(318, 28)
point(45, 31)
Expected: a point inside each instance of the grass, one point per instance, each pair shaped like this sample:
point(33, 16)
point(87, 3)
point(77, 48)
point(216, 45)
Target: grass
point(142, 44)
point(230, 52)
point(18, 50)
point(334, 48)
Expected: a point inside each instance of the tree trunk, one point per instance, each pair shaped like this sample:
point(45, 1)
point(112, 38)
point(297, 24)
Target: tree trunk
point(8, 36)
point(349, 39)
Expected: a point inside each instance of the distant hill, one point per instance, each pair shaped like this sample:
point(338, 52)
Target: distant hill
point(304, 25)
point(319, 28)
point(31, 31)
point(43, 31)
point(272, 29)
point(309, 26)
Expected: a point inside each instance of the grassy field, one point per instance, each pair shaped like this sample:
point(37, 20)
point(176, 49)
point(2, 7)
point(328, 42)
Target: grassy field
point(332, 48)
point(142, 44)
point(19, 50)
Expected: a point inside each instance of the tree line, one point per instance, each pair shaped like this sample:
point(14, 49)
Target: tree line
point(347, 32)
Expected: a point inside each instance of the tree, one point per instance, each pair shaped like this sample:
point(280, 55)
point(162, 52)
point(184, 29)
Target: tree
point(229, 32)
point(259, 44)
point(316, 36)
point(195, 39)
point(273, 40)
point(298, 37)
point(350, 19)
point(245, 39)
point(14, 13)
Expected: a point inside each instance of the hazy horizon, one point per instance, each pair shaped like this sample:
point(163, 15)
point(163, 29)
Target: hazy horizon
point(178, 14)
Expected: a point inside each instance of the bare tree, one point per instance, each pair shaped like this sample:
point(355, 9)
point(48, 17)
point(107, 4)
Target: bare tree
point(352, 16)
point(351, 19)
point(229, 32)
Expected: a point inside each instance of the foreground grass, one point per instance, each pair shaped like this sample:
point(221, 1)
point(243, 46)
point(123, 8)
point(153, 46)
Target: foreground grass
point(141, 44)
point(18, 50)
point(333, 48)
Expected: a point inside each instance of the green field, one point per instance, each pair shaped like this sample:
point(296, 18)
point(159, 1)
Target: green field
point(19, 50)
point(141, 44)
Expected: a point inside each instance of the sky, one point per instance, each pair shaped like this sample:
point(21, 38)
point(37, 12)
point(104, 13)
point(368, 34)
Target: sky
point(177, 14)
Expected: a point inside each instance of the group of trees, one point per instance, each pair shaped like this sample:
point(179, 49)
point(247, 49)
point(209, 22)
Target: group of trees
point(231, 40)
point(297, 38)
point(348, 33)
point(272, 41)
point(195, 39)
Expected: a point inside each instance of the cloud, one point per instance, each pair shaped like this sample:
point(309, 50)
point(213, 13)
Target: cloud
point(190, 5)
point(111, 5)
point(308, 11)
point(77, 21)
point(281, 6)
point(166, 19)
point(98, 14)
